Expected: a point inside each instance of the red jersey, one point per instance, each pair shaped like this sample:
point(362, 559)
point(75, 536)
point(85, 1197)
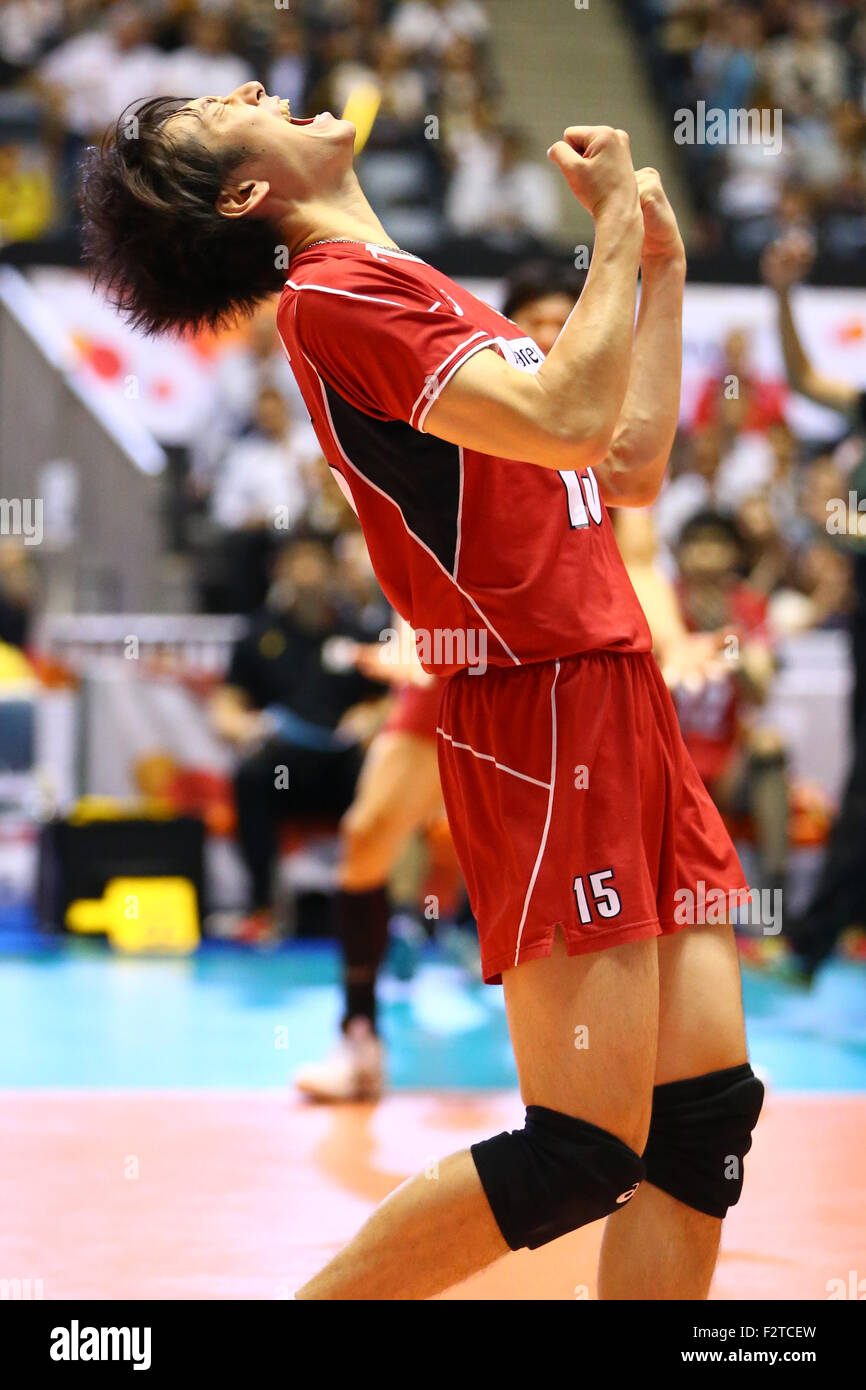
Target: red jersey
point(491, 561)
point(711, 716)
point(765, 403)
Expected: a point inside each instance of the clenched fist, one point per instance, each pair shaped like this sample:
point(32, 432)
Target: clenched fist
point(661, 235)
point(596, 162)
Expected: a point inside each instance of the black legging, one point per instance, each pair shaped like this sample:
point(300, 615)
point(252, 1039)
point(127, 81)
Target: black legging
point(320, 786)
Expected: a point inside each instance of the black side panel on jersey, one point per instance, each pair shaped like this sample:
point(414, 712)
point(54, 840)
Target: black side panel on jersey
point(418, 471)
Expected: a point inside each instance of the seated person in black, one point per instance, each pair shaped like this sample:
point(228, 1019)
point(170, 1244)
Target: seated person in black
point(297, 709)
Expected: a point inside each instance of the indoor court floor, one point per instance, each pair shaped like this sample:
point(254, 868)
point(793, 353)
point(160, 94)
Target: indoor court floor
point(153, 1147)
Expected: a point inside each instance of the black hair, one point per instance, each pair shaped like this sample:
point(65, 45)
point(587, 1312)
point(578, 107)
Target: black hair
point(716, 523)
point(537, 279)
point(153, 237)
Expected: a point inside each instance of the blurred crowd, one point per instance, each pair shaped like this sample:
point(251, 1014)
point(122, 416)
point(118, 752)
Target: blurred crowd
point(440, 160)
point(805, 59)
point(737, 456)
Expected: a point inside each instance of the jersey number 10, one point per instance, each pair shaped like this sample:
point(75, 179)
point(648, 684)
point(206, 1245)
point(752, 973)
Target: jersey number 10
point(584, 503)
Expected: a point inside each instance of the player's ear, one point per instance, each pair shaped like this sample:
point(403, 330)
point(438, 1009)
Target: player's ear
point(239, 200)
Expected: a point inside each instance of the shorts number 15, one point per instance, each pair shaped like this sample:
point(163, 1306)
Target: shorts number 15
point(605, 899)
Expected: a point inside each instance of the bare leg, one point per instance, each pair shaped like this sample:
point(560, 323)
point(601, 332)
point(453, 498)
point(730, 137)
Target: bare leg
point(435, 1231)
point(430, 1232)
point(658, 1248)
point(398, 790)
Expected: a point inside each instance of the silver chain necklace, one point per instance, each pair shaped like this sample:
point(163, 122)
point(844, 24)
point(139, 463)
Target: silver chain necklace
point(351, 241)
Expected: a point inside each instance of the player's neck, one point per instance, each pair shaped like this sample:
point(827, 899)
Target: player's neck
point(343, 214)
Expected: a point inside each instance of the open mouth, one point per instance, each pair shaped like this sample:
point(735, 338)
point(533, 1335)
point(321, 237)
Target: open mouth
point(284, 108)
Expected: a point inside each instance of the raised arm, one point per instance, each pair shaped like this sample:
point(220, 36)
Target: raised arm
point(632, 472)
point(784, 263)
point(564, 416)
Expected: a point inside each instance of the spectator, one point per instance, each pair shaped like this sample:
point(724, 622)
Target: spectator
point(767, 558)
point(825, 580)
point(404, 92)
point(694, 489)
point(26, 29)
point(258, 359)
point(805, 69)
point(93, 75)
point(497, 191)
point(427, 27)
point(261, 491)
point(263, 473)
point(295, 713)
point(463, 95)
point(736, 398)
point(839, 899)
point(742, 764)
point(289, 71)
point(725, 63)
point(539, 296)
point(348, 66)
point(207, 63)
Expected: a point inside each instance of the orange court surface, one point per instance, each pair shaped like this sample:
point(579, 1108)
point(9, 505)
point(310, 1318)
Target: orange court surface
point(245, 1195)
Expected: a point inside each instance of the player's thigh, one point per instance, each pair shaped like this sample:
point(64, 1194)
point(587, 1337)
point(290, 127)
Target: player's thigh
point(398, 790)
point(701, 1025)
point(584, 1033)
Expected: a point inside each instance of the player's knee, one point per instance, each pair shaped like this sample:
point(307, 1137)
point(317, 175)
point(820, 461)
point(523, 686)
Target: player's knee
point(357, 828)
point(364, 842)
point(701, 1130)
point(555, 1174)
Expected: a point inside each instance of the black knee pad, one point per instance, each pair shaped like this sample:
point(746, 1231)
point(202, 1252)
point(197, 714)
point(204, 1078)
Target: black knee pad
point(555, 1174)
point(700, 1132)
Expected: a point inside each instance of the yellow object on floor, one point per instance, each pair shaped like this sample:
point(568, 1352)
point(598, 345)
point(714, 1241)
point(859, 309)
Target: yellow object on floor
point(141, 915)
point(15, 669)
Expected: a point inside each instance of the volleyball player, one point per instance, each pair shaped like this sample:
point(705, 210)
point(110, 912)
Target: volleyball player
point(481, 474)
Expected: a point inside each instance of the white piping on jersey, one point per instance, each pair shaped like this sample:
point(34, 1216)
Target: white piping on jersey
point(345, 294)
point(382, 493)
point(433, 379)
point(459, 516)
point(433, 386)
point(543, 845)
point(489, 758)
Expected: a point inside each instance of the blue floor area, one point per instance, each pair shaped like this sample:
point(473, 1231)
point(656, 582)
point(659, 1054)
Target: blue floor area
point(75, 1015)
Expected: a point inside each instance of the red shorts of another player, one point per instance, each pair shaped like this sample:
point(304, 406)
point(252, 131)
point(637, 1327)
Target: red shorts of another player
point(416, 710)
point(573, 803)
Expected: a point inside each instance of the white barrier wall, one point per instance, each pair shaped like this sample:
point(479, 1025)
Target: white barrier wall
point(73, 459)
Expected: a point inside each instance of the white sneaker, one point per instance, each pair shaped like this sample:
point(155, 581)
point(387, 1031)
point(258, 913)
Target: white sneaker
point(355, 1070)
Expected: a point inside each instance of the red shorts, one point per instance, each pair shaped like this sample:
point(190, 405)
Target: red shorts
point(573, 803)
point(416, 710)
